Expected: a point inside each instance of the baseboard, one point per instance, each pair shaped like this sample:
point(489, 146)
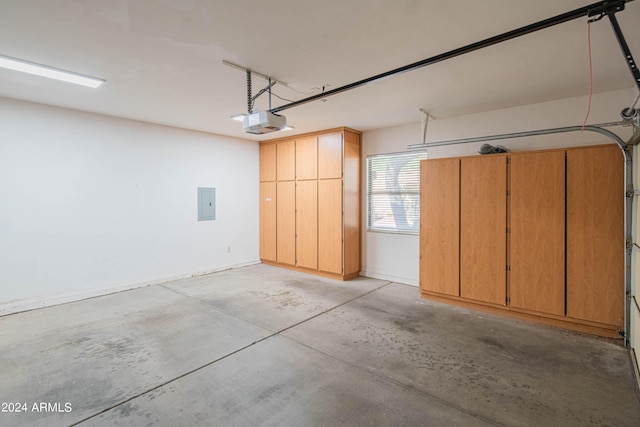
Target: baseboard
point(41, 301)
point(390, 278)
point(223, 268)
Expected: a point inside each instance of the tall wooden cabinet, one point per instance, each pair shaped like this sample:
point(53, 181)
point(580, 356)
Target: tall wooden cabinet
point(286, 222)
point(315, 224)
point(595, 267)
point(482, 228)
point(537, 231)
point(440, 241)
point(268, 202)
point(306, 243)
point(535, 235)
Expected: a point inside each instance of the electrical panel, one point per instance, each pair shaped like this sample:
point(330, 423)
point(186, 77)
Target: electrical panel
point(206, 204)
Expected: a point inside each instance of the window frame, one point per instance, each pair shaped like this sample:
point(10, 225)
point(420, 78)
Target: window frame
point(420, 155)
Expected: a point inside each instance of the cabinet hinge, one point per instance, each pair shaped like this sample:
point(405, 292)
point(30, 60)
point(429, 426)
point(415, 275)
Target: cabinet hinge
point(508, 193)
point(508, 300)
point(508, 230)
point(508, 268)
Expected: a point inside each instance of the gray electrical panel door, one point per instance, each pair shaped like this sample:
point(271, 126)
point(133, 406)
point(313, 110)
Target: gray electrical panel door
point(206, 204)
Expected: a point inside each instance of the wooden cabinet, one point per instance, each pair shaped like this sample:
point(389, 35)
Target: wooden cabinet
point(537, 231)
point(317, 179)
point(307, 224)
point(307, 158)
point(268, 204)
point(286, 222)
point(286, 161)
point(483, 223)
point(440, 241)
point(330, 225)
point(330, 150)
point(539, 235)
point(267, 163)
point(351, 204)
point(595, 226)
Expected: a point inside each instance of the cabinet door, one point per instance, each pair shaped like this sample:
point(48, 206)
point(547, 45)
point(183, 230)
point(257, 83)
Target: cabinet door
point(537, 232)
point(268, 162)
point(330, 225)
point(268, 221)
point(307, 158)
point(330, 156)
point(440, 226)
point(286, 160)
point(307, 224)
point(286, 222)
point(595, 234)
point(483, 228)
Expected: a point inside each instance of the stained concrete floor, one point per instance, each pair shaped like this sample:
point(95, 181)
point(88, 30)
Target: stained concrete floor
point(267, 346)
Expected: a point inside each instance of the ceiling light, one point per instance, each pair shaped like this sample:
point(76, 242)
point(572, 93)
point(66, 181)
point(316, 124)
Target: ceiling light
point(50, 72)
point(238, 117)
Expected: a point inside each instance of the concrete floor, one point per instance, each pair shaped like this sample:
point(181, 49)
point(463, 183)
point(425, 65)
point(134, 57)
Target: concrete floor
point(267, 346)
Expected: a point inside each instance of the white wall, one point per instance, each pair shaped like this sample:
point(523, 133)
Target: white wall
point(396, 257)
point(90, 203)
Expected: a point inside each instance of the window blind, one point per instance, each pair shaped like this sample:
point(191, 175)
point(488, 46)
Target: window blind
point(393, 192)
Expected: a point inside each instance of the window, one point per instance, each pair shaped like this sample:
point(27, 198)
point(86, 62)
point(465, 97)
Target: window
point(393, 192)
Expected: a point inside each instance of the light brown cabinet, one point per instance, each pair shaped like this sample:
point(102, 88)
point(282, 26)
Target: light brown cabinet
point(286, 161)
point(330, 156)
point(351, 212)
point(595, 224)
point(307, 224)
point(306, 158)
point(330, 225)
point(268, 204)
point(286, 222)
point(267, 163)
point(440, 241)
point(539, 235)
point(537, 231)
point(483, 225)
point(317, 226)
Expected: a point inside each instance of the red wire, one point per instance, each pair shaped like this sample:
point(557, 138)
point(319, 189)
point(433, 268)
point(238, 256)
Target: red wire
point(590, 75)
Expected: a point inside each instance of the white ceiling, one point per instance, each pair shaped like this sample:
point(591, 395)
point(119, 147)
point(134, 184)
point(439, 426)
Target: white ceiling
point(162, 59)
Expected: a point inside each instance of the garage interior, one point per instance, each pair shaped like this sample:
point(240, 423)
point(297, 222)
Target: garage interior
point(160, 264)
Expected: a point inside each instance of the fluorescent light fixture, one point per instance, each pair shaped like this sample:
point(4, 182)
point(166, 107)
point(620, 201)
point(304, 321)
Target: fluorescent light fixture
point(238, 117)
point(287, 127)
point(50, 72)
